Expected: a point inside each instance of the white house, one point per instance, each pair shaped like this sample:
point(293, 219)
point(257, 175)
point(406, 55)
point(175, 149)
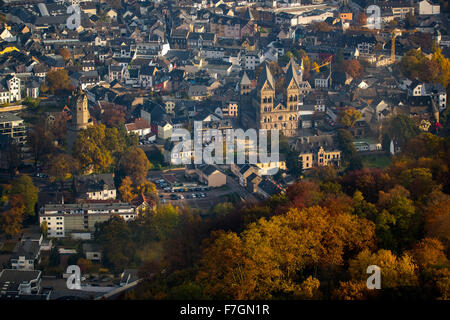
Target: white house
point(427, 8)
point(10, 89)
point(165, 130)
point(140, 126)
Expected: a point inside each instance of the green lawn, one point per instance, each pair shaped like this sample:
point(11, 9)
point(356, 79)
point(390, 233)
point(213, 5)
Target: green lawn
point(376, 161)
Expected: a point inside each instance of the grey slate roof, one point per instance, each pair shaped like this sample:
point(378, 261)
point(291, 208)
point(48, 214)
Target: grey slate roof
point(266, 75)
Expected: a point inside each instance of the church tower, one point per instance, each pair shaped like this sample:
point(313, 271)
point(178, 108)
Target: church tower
point(81, 118)
point(265, 98)
point(292, 87)
point(274, 113)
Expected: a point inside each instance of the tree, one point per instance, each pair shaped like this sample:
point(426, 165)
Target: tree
point(41, 143)
point(44, 228)
point(349, 116)
point(115, 238)
point(339, 59)
point(351, 290)
point(353, 68)
point(126, 190)
point(402, 128)
point(147, 188)
point(406, 227)
point(91, 151)
point(84, 264)
point(429, 252)
point(135, 164)
point(361, 19)
point(345, 139)
point(114, 115)
point(437, 217)
point(270, 257)
point(12, 156)
point(65, 53)
point(355, 163)
point(24, 187)
point(58, 80)
point(294, 163)
point(223, 209)
point(11, 219)
point(419, 181)
point(61, 167)
point(165, 221)
point(411, 20)
point(223, 267)
point(396, 271)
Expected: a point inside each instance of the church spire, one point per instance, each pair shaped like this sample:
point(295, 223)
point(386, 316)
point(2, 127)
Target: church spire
point(266, 76)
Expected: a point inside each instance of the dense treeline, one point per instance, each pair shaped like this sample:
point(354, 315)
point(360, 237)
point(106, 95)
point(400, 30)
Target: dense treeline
point(313, 242)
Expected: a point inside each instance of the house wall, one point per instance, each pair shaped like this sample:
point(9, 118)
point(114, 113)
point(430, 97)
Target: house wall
point(102, 195)
point(217, 179)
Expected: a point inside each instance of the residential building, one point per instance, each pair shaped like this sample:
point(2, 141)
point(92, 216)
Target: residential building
point(64, 219)
point(317, 151)
point(211, 176)
point(95, 186)
point(26, 255)
point(13, 127)
point(92, 252)
point(18, 284)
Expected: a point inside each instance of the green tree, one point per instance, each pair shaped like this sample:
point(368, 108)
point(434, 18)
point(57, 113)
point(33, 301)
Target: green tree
point(24, 187)
point(397, 205)
point(115, 238)
point(402, 128)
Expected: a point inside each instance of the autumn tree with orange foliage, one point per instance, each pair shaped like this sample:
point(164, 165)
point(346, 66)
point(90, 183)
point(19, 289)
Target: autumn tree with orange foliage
point(267, 258)
point(11, 219)
point(353, 68)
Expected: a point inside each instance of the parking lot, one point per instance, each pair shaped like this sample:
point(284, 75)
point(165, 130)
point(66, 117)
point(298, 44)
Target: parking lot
point(174, 188)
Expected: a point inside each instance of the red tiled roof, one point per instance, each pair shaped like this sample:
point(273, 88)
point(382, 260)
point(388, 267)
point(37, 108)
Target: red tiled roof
point(139, 123)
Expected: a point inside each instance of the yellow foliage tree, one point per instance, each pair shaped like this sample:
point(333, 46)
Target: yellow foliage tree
point(126, 190)
point(395, 271)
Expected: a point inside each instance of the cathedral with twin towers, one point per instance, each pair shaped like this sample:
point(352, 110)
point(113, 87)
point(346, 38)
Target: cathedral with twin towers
point(277, 110)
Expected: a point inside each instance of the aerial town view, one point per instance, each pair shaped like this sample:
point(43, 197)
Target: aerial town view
point(224, 150)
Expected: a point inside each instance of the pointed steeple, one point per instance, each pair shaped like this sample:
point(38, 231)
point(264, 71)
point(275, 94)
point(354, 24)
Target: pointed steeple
point(266, 76)
point(245, 80)
point(291, 73)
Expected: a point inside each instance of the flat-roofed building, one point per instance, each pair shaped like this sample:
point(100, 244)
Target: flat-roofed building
point(64, 219)
point(18, 283)
point(14, 127)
